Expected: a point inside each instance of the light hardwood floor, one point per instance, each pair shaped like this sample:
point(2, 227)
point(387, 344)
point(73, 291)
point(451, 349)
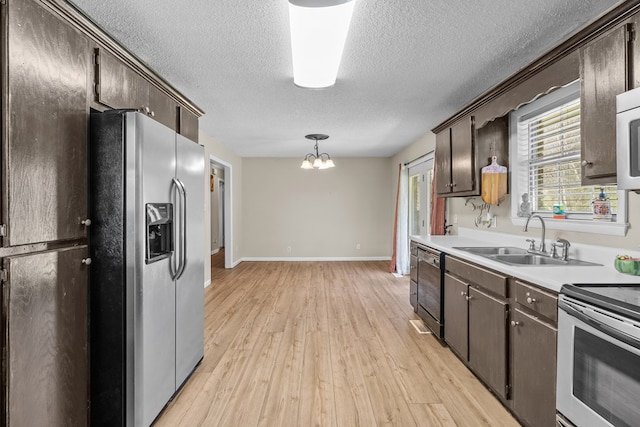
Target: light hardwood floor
point(323, 344)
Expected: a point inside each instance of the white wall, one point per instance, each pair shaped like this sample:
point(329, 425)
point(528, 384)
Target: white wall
point(212, 147)
point(317, 213)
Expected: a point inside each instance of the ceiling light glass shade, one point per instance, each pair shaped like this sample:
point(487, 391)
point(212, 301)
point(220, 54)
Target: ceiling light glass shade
point(329, 164)
point(318, 33)
point(317, 163)
point(306, 164)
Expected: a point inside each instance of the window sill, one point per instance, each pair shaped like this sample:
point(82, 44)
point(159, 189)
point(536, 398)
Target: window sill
point(584, 226)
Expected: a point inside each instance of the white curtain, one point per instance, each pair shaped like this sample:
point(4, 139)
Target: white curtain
point(402, 237)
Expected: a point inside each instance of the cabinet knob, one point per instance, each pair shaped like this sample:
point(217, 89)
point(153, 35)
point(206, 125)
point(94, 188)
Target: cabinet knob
point(453, 184)
point(530, 300)
point(86, 222)
point(462, 294)
point(514, 323)
point(468, 297)
point(152, 114)
point(585, 163)
point(86, 261)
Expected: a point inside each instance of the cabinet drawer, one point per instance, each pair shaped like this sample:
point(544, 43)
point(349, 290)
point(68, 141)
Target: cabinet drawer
point(542, 302)
point(487, 279)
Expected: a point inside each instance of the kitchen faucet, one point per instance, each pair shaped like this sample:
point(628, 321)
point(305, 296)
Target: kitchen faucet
point(543, 248)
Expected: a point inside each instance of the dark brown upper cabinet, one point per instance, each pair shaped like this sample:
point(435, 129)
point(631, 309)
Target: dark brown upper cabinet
point(164, 108)
point(188, 124)
point(455, 163)
point(462, 151)
point(44, 191)
point(604, 75)
point(118, 86)
point(634, 51)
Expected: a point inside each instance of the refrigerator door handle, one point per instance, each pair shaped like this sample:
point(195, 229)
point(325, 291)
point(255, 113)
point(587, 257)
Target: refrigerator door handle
point(176, 265)
point(183, 233)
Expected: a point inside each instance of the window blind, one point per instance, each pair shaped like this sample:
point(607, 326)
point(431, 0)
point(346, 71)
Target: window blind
point(554, 162)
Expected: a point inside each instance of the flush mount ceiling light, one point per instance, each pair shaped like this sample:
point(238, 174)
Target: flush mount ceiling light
point(318, 32)
point(319, 161)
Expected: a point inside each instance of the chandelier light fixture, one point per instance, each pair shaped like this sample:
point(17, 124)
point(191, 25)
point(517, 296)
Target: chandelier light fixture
point(315, 160)
point(318, 32)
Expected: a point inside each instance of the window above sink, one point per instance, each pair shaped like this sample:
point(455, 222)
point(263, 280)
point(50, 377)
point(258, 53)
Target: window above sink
point(544, 146)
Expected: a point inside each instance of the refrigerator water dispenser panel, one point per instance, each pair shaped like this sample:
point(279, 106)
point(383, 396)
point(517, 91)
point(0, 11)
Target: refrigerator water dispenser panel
point(159, 229)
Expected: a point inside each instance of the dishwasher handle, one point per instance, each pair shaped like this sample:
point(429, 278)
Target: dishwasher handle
point(430, 258)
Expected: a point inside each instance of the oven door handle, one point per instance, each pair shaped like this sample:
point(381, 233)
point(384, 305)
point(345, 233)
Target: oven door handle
point(602, 327)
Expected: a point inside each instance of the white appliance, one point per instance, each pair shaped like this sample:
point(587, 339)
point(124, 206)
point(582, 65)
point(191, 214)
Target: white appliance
point(598, 380)
point(147, 277)
point(628, 140)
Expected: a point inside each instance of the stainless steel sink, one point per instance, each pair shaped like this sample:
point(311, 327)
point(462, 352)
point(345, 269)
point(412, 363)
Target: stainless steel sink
point(492, 250)
point(528, 259)
point(517, 256)
point(534, 259)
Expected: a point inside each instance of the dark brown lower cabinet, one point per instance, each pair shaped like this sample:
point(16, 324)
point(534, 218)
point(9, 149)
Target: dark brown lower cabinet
point(413, 295)
point(488, 339)
point(456, 315)
point(45, 379)
point(533, 369)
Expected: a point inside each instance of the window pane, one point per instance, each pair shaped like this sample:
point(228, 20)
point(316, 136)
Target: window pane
point(414, 205)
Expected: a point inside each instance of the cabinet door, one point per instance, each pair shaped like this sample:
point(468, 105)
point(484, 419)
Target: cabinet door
point(533, 369)
point(462, 161)
point(488, 339)
point(603, 72)
point(456, 316)
point(635, 52)
point(413, 294)
point(443, 162)
point(188, 124)
point(165, 109)
point(413, 268)
point(44, 165)
point(45, 299)
point(118, 86)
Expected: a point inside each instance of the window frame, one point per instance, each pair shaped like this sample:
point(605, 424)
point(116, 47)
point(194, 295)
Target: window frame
point(520, 170)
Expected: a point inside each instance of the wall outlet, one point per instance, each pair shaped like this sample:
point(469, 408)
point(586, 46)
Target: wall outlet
point(455, 219)
point(358, 246)
point(288, 249)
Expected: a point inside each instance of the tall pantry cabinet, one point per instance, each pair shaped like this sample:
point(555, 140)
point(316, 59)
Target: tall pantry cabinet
point(43, 256)
point(49, 81)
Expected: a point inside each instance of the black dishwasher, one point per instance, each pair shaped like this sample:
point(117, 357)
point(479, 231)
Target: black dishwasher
point(430, 303)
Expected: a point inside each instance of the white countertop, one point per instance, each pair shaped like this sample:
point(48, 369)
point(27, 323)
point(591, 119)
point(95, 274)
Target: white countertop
point(549, 277)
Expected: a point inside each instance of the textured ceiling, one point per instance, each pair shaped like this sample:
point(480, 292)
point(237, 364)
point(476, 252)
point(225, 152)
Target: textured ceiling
point(407, 65)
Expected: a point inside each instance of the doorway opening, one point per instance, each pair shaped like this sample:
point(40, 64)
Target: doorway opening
point(221, 216)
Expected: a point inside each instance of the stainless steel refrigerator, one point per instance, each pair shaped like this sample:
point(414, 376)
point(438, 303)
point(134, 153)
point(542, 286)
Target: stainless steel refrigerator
point(147, 277)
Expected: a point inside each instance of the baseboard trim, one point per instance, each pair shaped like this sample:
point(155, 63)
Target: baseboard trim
point(302, 259)
point(215, 251)
point(236, 262)
point(207, 283)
